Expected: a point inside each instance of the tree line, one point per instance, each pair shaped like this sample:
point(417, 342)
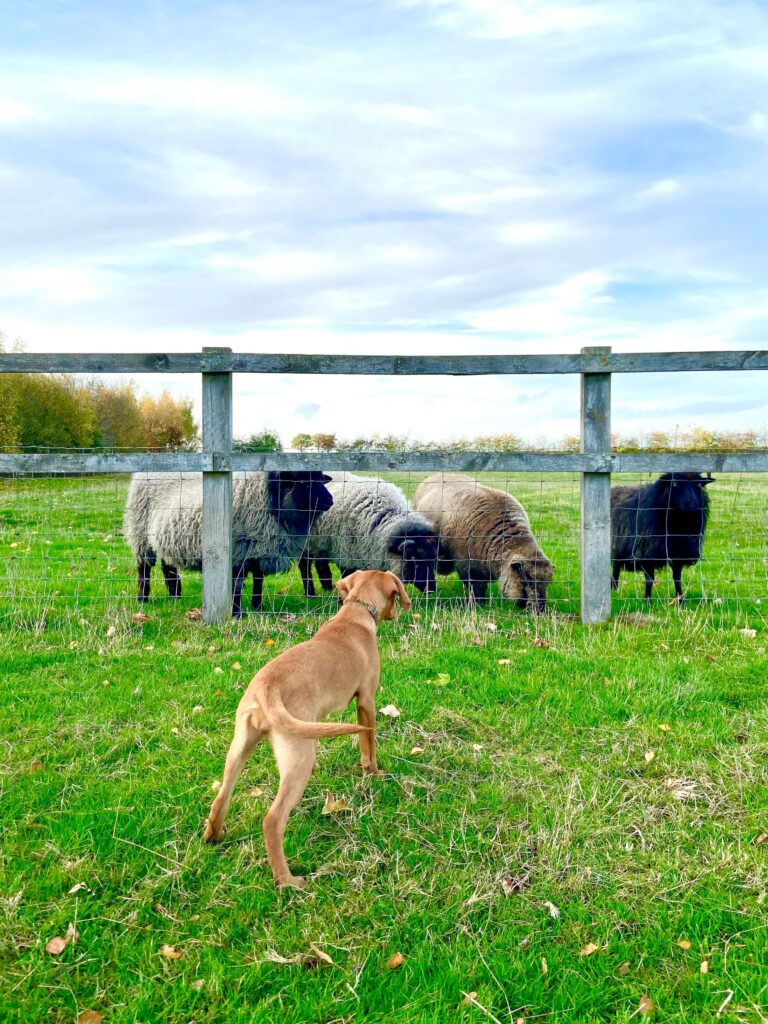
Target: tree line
point(59, 410)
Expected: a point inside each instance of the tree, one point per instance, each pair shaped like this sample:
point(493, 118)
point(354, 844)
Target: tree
point(262, 441)
point(117, 415)
point(301, 442)
point(167, 422)
point(323, 442)
point(53, 411)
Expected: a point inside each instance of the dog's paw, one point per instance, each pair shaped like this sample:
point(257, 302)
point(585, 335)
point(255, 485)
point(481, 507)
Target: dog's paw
point(292, 882)
point(212, 834)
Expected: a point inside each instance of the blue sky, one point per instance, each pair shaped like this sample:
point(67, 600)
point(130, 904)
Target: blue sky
point(404, 176)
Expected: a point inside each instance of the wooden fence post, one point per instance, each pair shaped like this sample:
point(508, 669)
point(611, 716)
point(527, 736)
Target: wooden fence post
point(595, 495)
point(217, 495)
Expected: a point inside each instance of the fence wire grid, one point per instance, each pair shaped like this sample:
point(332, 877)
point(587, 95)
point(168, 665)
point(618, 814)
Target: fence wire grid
point(64, 553)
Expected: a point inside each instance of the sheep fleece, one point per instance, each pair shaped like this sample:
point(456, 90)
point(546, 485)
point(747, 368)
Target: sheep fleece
point(164, 514)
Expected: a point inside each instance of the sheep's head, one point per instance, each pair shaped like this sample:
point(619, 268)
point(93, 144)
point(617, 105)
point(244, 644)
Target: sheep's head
point(525, 581)
point(416, 551)
point(298, 497)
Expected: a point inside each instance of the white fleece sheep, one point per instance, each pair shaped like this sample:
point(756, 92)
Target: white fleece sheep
point(271, 517)
point(370, 526)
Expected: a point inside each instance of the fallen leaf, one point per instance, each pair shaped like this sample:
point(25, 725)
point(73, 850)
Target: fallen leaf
point(491, 627)
point(395, 961)
point(211, 650)
point(544, 967)
point(136, 692)
point(681, 789)
point(255, 791)
point(56, 945)
point(78, 887)
point(105, 682)
point(320, 954)
point(649, 755)
point(35, 765)
point(197, 709)
point(684, 944)
point(111, 631)
point(215, 785)
point(332, 805)
point(645, 1006)
point(477, 747)
point(175, 731)
point(442, 679)
point(90, 1017)
point(390, 711)
point(504, 661)
point(417, 750)
point(218, 670)
point(554, 913)
point(236, 666)
point(194, 614)
point(664, 727)
point(513, 884)
point(589, 949)
point(139, 618)
point(759, 840)
point(469, 999)
point(704, 966)
point(539, 641)
point(71, 934)
point(197, 984)
point(624, 969)
point(171, 953)
point(269, 642)
point(750, 633)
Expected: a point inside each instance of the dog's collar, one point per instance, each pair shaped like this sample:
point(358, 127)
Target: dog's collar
point(370, 607)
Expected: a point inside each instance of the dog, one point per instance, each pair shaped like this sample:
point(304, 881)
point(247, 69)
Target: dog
point(286, 699)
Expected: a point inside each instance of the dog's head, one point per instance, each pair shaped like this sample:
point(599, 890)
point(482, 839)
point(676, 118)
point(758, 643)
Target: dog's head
point(378, 589)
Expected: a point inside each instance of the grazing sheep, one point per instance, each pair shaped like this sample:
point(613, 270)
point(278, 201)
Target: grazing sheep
point(370, 527)
point(272, 514)
point(485, 535)
point(659, 524)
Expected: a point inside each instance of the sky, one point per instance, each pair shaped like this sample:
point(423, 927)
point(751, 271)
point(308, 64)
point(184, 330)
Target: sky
point(399, 176)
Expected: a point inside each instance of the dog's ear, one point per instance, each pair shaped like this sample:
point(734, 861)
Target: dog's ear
point(345, 585)
point(401, 592)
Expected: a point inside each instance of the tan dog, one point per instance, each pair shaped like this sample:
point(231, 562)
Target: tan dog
point(286, 699)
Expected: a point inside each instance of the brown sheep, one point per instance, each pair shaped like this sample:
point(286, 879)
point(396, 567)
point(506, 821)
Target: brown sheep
point(485, 535)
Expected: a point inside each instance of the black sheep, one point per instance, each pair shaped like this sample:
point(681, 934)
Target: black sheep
point(659, 524)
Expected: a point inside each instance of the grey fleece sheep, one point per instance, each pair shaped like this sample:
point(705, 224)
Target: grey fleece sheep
point(370, 527)
point(485, 535)
point(272, 514)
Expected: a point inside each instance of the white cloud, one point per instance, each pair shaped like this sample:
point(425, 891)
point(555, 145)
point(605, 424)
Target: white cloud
point(13, 112)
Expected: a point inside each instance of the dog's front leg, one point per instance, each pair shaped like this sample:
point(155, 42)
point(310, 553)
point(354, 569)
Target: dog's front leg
point(366, 715)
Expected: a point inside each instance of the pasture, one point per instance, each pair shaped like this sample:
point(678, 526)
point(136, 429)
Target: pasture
point(572, 825)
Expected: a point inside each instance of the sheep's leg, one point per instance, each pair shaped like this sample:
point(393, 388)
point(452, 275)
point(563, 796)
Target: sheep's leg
point(238, 578)
point(323, 567)
point(258, 586)
point(649, 574)
point(172, 579)
point(145, 565)
point(305, 568)
point(615, 577)
point(476, 585)
point(677, 572)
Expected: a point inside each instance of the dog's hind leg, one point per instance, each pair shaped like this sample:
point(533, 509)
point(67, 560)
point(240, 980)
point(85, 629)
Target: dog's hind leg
point(295, 760)
point(247, 735)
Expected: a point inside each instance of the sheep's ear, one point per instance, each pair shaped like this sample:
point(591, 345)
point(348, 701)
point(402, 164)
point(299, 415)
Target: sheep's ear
point(405, 546)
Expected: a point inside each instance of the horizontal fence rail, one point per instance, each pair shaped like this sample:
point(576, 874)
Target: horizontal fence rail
point(452, 366)
point(595, 462)
point(68, 464)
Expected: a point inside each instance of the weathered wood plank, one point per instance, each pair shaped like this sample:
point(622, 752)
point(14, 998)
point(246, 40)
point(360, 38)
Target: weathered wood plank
point(217, 499)
point(224, 361)
point(595, 497)
point(417, 462)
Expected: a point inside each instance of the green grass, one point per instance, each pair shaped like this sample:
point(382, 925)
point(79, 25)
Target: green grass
point(535, 790)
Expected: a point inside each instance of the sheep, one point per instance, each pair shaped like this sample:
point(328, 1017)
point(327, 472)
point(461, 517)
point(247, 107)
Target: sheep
point(370, 527)
point(485, 535)
point(659, 524)
point(272, 514)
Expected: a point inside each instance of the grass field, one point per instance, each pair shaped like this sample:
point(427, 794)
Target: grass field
point(572, 824)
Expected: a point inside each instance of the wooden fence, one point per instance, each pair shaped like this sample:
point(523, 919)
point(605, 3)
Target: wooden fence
point(595, 462)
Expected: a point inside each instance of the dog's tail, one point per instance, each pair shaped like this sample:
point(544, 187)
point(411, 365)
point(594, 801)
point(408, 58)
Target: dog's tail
point(278, 715)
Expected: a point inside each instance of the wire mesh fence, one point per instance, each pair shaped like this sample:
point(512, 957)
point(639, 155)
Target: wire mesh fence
point(65, 553)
